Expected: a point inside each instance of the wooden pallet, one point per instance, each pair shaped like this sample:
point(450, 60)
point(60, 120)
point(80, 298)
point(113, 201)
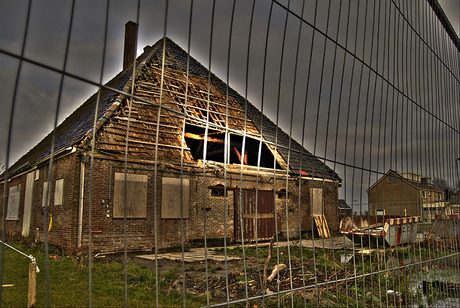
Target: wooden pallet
point(321, 225)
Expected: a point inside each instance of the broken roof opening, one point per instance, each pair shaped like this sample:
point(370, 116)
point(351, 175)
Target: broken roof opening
point(215, 148)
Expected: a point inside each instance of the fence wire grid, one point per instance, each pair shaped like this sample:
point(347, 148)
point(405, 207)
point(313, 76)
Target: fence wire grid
point(229, 153)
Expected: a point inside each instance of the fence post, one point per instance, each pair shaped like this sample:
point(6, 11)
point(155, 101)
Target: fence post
point(32, 284)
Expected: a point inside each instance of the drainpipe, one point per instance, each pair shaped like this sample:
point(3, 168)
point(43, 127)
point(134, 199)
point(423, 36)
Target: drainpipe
point(80, 203)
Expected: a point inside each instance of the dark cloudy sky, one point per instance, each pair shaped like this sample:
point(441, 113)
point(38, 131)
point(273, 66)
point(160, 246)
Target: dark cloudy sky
point(328, 100)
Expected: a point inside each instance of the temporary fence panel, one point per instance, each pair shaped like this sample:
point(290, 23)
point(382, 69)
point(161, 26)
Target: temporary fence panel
point(206, 146)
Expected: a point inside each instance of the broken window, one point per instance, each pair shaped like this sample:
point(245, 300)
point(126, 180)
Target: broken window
point(215, 148)
point(136, 196)
point(218, 191)
point(13, 202)
point(282, 194)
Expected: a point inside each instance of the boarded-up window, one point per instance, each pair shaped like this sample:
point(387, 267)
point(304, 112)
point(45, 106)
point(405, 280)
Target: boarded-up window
point(45, 192)
point(58, 192)
point(136, 196)
point(317, 197)
point(13, 202)
point(172, 201)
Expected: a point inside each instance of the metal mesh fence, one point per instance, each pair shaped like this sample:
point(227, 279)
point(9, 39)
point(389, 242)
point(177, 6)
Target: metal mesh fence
point(253, 153)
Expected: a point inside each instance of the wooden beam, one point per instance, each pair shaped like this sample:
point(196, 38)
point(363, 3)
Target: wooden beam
point(199, 148)
point(237, 153)
point(32, 284)
point(245, 158)
point(215, 152)
point(201, 137)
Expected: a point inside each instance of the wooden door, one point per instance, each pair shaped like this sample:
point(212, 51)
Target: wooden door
point(248, 215)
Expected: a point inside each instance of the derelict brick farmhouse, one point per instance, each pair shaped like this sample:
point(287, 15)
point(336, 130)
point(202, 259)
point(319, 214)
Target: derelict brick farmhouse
point(170, 124)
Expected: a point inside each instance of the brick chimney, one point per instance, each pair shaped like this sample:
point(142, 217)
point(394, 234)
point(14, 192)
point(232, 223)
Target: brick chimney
point(129, 54)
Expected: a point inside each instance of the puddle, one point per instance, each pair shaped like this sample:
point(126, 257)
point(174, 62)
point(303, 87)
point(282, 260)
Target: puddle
point(428, 288)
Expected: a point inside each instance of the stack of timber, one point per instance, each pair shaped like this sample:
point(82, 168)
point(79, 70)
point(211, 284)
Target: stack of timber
point(321, 225)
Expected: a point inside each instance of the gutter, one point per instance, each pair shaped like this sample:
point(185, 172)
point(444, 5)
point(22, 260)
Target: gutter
point(27, 167)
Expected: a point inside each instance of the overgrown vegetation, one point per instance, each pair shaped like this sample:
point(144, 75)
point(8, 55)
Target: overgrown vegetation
point(367, 279)
point(69, 282)
point(374, 278)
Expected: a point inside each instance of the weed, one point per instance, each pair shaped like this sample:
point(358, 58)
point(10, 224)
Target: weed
point(239, 278)
point(249, 250)
point(307, 236)
point(69, 282)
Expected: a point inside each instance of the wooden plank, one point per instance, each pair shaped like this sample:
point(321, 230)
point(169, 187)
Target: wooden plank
point(321, 225)
point(32, 284)
point(326, 227)
point(121, 132)
point(318, 225)
point(201, 137)
point(259, 216)
point(145, 143)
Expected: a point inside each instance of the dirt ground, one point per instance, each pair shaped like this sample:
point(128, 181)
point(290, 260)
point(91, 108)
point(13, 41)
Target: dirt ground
point(218, 281)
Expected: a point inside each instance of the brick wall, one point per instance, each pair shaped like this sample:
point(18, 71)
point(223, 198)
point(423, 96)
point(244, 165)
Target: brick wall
point(108, 232)
point(14, 227)
point(397, 197)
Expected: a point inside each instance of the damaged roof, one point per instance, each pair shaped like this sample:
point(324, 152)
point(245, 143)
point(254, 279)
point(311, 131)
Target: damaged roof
point(163, 106)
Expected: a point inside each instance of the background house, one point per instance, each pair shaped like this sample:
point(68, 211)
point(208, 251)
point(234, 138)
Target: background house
point(200, 158)
point(405, 194)
point(344, 208)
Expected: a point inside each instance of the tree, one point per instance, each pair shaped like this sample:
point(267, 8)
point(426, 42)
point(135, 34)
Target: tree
point(440, 183)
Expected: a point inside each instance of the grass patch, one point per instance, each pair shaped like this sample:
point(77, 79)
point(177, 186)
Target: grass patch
point(68, 282)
